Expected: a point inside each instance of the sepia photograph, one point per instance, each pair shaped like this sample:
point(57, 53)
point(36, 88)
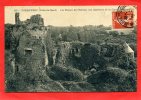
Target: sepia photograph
point(70, 48)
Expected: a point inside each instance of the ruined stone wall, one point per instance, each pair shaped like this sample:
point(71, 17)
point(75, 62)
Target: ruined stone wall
point(17, 19)
point(37, 19)
point(34, 21)
point(68, 53)
point(32, 52)
point(86, 56)
point(62, 53)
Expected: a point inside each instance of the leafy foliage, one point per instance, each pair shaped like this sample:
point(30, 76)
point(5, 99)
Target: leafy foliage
point(65, 73)
point(112, 79)
point(87, 49)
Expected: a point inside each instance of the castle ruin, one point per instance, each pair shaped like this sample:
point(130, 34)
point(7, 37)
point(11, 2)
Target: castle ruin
point(31, 50)
point(35, 20)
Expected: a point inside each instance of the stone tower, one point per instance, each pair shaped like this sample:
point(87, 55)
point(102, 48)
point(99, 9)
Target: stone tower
point(17, 19)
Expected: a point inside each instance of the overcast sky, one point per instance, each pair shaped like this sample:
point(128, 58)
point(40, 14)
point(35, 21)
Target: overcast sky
point(64, 15)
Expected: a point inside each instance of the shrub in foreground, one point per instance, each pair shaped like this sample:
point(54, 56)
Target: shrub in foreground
point(65, 74)
point(112, 79)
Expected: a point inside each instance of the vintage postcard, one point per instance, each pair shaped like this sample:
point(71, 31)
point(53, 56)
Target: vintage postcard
point(70, 48)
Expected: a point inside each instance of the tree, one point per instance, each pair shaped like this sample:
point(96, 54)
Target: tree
point(114, 33)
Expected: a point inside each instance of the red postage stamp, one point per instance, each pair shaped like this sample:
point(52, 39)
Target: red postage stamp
point(122, 19)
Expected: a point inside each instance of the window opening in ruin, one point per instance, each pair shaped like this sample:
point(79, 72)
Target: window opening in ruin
point(17, 68)
point(28, 52)
point(77, 51)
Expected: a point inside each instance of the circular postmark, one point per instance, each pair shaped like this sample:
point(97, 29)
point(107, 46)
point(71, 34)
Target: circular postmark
point(125, 16)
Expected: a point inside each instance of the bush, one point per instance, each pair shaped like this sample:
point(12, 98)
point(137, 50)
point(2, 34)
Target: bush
point(66, 74)
point(16, 84)
point(109, 75)
point(109, 79)
point(89, 56)
point(130, 82)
